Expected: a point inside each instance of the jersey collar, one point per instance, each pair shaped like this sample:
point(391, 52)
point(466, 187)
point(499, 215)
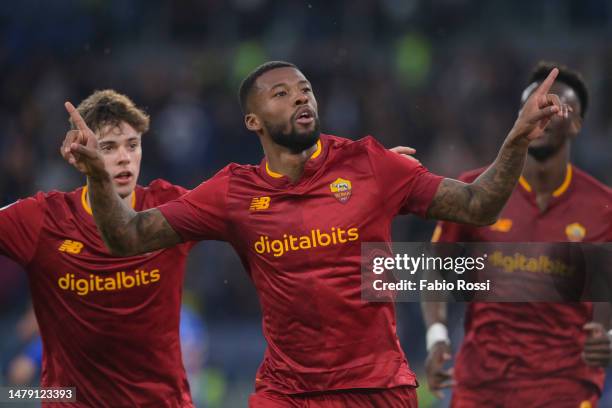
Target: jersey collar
point(86, 206)
point(559, 191)
point(313, 163)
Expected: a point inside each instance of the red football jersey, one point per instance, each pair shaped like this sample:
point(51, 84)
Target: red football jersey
point(109, 326)
point(300, 244)
point(514, 342)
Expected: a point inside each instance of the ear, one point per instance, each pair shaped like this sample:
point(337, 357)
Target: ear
point(252, 122)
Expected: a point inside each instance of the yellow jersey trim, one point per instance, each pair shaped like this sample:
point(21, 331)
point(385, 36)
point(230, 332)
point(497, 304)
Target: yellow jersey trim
point(272, 173)
point(523, 182)
point(560, 190)
point(318, 151)
point(86, 206)
point(563, 187)
point(313, 156)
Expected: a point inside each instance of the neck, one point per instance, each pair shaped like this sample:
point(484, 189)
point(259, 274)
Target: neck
point(282, 161)
point(546, 176)
point(127, 200)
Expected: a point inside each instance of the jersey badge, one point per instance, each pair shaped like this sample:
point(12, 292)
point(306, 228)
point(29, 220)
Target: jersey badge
point(341, 189)
point(575, 232)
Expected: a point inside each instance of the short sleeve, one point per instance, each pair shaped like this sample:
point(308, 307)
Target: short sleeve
point(406, 186)
point(201, 214)
point(20, 225)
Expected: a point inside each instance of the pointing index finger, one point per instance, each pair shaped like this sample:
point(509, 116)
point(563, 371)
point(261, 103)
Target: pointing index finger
point(76, 117)
point(550, 79)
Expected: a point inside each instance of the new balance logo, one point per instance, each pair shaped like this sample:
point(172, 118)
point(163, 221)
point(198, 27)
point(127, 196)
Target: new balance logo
point(72, 247)
point(260, 203)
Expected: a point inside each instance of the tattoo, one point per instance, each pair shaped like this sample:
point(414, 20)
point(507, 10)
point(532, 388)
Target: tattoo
point(125, 231)
point(480, 202)
point(154, 231)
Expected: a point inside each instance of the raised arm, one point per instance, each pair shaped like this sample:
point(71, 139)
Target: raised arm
point(125, 231)
point(481, 201)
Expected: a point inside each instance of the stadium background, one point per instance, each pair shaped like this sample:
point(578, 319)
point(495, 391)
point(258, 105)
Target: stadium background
point(443, 76)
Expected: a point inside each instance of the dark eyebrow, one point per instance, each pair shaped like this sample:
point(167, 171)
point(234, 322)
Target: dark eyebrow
point(279, 84)
point(303, 81)
point(107, 142)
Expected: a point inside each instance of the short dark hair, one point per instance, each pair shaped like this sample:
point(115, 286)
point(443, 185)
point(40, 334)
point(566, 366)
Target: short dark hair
point(247, 83)
point(569, 77)
point(109, 107)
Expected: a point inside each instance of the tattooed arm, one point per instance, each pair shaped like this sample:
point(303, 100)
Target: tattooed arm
point(481, 201)
point(125, 231)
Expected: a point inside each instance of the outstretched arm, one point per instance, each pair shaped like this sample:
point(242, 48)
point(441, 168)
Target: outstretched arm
point(481, 201)
point(125, 231)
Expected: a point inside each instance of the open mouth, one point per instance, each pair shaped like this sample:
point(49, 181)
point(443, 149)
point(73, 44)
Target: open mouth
point(304, 116)
point(124, 177)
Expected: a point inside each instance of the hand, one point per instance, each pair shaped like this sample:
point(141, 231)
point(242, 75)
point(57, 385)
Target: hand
point(439, 378)
point(406, 152)
point(80, 146)
point(538, 110)
point(597, 346)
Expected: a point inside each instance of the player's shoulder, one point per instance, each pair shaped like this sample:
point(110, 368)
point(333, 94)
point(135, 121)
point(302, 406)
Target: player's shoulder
point(585, 183)
point(219, 183)
point(53, 198)
point(59, 204)
point(160, 191)
point(26, 203)
point(52, 195)
point(157, 192)
point(237, 170)
point(339, 145)
point(364, 143)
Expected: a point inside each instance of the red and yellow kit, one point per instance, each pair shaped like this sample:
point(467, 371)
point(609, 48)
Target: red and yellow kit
point(300, 244)
point(109, 326)
point(517, 344)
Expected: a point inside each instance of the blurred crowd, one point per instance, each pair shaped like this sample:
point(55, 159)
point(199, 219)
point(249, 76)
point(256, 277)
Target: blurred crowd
point(443, 76)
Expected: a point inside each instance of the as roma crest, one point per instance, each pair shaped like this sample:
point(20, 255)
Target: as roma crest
point(575, 232)
point(341, 189)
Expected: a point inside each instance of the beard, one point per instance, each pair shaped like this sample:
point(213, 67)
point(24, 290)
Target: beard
point(295, 141)
point(543, 153)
